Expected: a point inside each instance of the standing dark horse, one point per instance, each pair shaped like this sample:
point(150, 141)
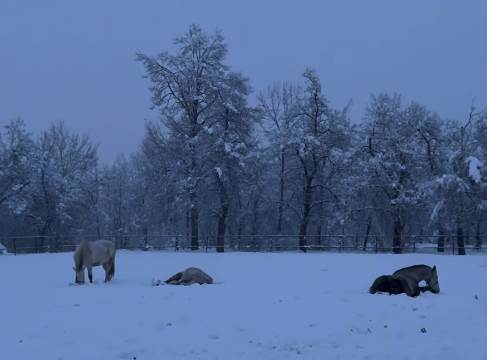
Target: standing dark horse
point(413, 275)
point(407, 281)
point(96, 253)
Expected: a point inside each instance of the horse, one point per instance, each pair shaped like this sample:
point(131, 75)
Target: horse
point(96, 253)
point(387, 284)
point(407, 281)
point(417, 273)
point(190, 276)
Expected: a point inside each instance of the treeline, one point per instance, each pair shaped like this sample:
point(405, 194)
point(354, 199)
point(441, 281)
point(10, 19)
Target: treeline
point(216, 168)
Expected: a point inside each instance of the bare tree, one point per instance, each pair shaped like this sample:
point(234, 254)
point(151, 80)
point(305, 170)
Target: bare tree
point(278, 108)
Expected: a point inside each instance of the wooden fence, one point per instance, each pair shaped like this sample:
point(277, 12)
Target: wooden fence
point(245, 243)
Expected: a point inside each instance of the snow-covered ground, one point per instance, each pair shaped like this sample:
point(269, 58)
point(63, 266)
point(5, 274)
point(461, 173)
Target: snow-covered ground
point(263, 306)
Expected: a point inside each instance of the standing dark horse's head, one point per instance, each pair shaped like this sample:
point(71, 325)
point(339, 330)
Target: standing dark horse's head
point(433, 282)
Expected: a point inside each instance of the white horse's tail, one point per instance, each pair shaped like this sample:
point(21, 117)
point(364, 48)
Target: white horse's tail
point(111, 272)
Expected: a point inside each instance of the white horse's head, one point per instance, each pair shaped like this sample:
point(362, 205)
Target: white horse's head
point(80, 276)
point(79, 266)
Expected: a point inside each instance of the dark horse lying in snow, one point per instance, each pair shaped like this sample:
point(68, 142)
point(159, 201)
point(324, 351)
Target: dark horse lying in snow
point(407, 281)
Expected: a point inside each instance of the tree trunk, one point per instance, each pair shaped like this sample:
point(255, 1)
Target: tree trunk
point(478, 237)
point(367, 234)
point(321, 210)
point(460, 241)
point(188, 228)
point(220, 238)
point(240, 225)
point(222, 218)
point(319, 233)
point(302, 236)
point(396, 240)
point(193, 197)
point(145, 231)
point(194, 215)
point(281, 194)
point(441, 239)
point(255, 219)
point(303, 227)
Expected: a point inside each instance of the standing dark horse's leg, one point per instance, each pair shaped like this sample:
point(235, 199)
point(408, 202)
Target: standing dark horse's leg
point(412, 288)
point(106, 267)
point(90, 274)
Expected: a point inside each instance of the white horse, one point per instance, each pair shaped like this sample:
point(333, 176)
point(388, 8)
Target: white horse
point(190, 276)
point(96, 253)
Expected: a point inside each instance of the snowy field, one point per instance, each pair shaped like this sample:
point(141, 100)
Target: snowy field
point(263, 306)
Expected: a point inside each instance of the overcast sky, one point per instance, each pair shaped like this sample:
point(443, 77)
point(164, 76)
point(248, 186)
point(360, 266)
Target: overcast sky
point(74, 60)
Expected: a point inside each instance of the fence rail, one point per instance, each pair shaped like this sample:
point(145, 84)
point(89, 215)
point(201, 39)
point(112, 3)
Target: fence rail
point(258, 243)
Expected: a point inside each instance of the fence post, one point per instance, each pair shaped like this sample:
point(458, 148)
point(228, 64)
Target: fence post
point(376, 244)
point(15, 246)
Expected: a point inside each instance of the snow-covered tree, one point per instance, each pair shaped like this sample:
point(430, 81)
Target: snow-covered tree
point(194, 90)
point(65, 163)
point(399, 154)
point(318, 133)
point(230, 137)
point(460, 189)
point(16, 152)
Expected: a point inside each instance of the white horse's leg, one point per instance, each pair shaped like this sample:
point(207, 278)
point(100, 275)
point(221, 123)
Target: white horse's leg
point(111, 273)
point(80, 277)
point(109, 269)
point(90, 274)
